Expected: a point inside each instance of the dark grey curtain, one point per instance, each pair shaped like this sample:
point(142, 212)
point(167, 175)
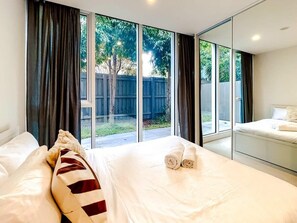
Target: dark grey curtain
point(247, 86)
point(53, 70)
point(186, 87)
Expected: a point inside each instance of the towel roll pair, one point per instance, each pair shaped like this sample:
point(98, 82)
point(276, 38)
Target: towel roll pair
point(288, 127)
point(180, 155)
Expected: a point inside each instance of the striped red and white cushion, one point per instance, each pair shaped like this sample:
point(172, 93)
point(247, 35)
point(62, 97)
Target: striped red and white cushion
point(76, 189)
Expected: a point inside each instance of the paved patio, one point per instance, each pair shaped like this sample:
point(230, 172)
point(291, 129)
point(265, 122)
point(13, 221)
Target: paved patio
point(125, 138)
point(130, 137)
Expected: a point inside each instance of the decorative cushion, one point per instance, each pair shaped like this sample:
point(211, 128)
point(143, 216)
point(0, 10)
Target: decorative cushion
point(14, 153)
point(76, 189)
point(292, 114)
point(26, 196)
point(279, 113)
point(65, 140)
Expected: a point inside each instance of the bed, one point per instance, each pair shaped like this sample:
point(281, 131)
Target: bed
point(137, 187)
point(263, 140)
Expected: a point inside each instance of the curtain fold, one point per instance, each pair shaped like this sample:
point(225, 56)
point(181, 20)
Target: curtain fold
point(53, 71)
point(186, 90)
point(247, 86)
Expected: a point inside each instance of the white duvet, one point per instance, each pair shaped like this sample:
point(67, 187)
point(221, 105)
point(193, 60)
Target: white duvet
point(268, 128)
point(139, 188)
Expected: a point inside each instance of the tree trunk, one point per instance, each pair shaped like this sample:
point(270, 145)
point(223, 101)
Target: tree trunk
point(112, 87)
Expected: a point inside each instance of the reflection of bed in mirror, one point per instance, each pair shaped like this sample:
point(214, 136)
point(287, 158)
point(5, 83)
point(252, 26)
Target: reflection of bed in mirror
point(266, 139)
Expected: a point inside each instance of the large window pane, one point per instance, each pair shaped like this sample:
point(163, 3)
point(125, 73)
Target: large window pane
point(83, 58)
point(156, 83)
point(224, 88)
point(115, 69)
point(207, 59)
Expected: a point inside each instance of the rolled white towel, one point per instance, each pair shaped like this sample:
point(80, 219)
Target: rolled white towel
point(189, 156)
point(288, 127)
point(174, 157)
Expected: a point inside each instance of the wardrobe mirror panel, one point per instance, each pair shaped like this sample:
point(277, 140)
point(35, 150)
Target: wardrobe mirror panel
point(216, 86)
point(265, 53)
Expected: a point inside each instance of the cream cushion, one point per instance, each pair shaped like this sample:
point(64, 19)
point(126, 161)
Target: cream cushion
point(25, 196)
point(65, 140)
point(14, 153)
point(76, 189)
point(292, 113)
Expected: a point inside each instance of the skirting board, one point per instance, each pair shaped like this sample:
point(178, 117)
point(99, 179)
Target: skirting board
point(281, 153)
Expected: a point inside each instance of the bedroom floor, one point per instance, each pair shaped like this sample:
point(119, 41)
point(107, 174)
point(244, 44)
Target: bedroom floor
point(222, 147)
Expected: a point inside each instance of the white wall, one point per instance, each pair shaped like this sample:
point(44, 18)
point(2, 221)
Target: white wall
point(275, 80)
point(12, 64)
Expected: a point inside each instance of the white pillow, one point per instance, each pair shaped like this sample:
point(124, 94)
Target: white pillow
point(26, 195)
point(279, 113)
point(14, 153)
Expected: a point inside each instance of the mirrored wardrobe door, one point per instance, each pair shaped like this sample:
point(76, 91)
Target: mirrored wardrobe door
point(265, 53)
point(216, 88)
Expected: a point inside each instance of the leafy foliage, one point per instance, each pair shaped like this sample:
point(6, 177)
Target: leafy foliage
point(207, 58)
point(117, 39)
point(158, 42)
point(83, 43)
point(224, 64)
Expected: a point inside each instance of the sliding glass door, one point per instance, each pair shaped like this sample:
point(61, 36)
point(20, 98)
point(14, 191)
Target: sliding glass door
point(115, 71)
point(156, 85)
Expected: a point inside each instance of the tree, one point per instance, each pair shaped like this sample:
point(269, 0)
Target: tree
point(115, 49)
point(158, 42)
point(224, 64)
point(83, 43)
point(207, 58)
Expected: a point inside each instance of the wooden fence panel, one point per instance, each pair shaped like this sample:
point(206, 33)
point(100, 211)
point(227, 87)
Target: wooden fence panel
point(154, 96)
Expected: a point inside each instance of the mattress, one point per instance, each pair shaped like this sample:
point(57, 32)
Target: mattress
point(268, 128)
point(139, 188)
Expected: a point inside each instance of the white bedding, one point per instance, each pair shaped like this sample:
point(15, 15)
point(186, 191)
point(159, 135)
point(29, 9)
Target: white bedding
point(268, 128)
point(139, 188)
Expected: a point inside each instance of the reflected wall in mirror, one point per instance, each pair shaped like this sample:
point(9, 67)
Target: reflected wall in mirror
point(216, 86)
point(268, 32)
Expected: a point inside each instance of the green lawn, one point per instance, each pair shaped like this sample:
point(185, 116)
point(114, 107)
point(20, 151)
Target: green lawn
point(206, 117)
point(105, 129)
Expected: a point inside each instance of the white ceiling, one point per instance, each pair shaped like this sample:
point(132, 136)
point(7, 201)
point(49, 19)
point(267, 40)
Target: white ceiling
point(183, 16)
point(265, 19)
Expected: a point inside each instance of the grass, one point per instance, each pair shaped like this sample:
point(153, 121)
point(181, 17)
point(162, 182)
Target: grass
point(206, 117)
point(116, 128)
point(106, 129)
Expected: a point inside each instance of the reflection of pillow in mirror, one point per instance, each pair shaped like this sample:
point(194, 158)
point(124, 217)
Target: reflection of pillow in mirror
point(279, 113)
point(292, 113)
